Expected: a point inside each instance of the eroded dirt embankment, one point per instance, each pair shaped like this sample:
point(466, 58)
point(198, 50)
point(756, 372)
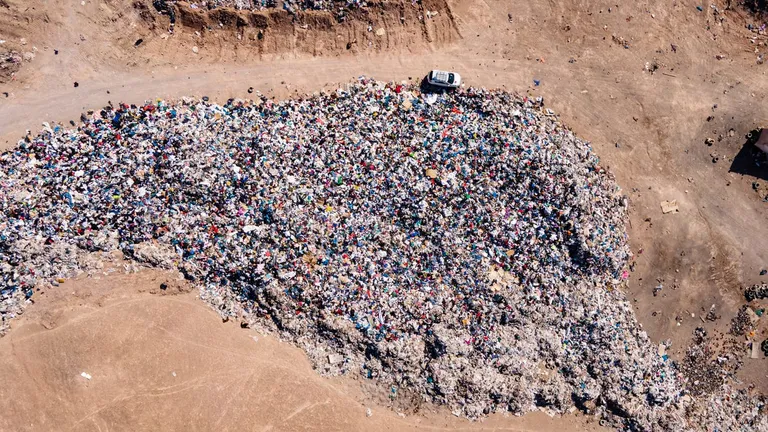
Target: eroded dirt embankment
point(383, 26)
point(134, 33)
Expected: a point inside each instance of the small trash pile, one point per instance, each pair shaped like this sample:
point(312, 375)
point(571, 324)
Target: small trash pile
point(10, 63)
point(235, 4)
point(464, 247)
point(756, 292)
point(744, 321)
point(289, 5)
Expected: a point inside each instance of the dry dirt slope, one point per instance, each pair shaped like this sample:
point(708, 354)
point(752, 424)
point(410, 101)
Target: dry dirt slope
point(168, 363)
point(649, 128)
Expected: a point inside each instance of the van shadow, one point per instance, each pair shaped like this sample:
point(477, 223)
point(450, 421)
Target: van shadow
point(750, 160)
point(427, 88)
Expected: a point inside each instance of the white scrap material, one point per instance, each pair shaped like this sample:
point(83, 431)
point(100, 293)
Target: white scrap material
point(85, 375)
point(669, 207)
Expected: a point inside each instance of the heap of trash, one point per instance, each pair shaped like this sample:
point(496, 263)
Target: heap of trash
point(289, 5)
point(464, 247)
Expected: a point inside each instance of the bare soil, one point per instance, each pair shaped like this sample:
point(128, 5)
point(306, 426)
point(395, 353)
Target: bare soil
point(162, 360)
point(648, 82)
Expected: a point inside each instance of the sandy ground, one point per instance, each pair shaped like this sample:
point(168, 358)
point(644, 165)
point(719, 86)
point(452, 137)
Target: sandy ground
point(162, 362)
point(592, 65)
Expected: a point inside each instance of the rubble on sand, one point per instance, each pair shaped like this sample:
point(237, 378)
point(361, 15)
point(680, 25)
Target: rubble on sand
point(338, 7)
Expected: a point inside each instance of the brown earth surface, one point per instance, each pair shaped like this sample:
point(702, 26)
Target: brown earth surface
point(164, 361)
point(646, 82)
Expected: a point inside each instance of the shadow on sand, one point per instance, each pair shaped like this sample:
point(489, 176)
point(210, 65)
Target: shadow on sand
point(751, 161)
point(427, 88)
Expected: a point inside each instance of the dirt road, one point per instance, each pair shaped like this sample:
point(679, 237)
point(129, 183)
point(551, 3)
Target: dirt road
point(648, 83)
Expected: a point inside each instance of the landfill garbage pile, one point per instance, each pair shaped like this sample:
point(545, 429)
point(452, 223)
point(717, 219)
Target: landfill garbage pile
point(464, 247)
